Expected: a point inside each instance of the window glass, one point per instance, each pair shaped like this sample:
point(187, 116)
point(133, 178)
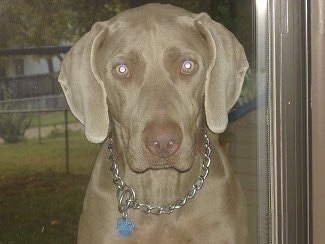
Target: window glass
point(46, 161)
point(19, 67)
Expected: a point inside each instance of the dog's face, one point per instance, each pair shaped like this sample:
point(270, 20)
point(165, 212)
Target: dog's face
point(155, 91)
point(161, 73)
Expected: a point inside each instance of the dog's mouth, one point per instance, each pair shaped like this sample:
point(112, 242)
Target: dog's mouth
point(166, 164)
point(159, 166)
point(143, 164)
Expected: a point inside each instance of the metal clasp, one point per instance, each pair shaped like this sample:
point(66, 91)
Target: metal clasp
point(126, 199)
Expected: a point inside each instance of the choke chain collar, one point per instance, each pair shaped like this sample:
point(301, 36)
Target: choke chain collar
point(127, 199)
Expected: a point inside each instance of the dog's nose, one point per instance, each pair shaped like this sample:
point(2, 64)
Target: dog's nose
point(162, 139)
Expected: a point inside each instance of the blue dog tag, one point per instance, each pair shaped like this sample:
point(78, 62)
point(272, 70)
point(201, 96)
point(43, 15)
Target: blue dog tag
point(125, 226)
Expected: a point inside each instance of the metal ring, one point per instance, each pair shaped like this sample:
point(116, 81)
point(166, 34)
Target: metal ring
point(123, 207)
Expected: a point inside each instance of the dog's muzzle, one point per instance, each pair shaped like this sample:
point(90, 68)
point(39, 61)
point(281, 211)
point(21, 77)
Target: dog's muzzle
point(162, 138)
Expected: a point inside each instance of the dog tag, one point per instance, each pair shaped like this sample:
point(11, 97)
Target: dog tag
point(125, 226)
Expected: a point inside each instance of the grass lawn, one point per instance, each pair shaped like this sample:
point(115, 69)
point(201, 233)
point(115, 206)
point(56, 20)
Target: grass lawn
point(50, 118)
point(39, 203)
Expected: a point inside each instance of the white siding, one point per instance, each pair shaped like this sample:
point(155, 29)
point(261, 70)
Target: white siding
point(32, 65)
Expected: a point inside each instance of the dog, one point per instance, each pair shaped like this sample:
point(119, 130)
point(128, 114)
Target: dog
point(154, 85)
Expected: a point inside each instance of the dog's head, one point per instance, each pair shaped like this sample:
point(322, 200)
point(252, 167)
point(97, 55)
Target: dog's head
point(159, 74)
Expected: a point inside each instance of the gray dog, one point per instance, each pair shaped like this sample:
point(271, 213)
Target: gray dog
point(155, 84)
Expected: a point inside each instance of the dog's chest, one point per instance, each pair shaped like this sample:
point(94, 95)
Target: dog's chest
point(186, 225)
point(162, 229)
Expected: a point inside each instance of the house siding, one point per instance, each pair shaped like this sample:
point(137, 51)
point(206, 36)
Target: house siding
point(242, 151)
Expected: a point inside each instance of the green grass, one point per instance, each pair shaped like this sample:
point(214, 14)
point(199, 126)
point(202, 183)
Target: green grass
point(30, 156)
point(50, 118)
point(39, 203)
point(41, 208)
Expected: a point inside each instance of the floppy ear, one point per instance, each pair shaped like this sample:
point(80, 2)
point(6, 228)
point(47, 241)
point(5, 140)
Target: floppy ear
point(82, 85)
point(225, 76)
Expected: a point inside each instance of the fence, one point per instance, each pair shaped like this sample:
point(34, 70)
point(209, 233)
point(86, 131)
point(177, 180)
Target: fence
point(53, 103)
point(30, 86)
point(39, 104)
point(35, 86)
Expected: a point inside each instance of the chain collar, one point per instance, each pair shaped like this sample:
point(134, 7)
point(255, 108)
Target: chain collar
point(126, 196)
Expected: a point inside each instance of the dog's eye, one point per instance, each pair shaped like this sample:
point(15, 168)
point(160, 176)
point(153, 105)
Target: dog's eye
point(188, 67)
point(122, 71)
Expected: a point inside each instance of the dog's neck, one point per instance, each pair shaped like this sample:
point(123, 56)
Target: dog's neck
point(158, 186)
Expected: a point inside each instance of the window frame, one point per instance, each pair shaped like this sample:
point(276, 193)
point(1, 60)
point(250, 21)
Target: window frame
point(289, 81)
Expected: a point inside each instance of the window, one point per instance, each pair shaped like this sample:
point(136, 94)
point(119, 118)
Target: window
point(266, 139)
point(19, 67)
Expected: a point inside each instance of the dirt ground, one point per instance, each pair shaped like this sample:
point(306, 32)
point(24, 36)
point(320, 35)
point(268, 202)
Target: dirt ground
point(36, 132)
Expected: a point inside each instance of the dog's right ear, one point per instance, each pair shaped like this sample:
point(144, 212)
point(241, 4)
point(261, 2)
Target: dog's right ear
point(225, 75)
point(83, 86)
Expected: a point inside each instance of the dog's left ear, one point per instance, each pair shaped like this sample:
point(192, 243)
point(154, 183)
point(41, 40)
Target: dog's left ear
point(225, 75)
point(83, 86)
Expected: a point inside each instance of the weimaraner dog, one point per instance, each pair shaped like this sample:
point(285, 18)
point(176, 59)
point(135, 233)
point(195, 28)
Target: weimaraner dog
point(154, 84)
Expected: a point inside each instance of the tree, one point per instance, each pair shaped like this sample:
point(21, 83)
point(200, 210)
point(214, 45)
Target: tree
point(44, 23)
point(36, 23)
point(8, 23)
point(86, 13)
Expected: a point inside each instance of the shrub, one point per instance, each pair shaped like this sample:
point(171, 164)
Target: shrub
point(12, 124)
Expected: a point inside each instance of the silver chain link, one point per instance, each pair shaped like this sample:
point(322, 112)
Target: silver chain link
point(126, 195)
